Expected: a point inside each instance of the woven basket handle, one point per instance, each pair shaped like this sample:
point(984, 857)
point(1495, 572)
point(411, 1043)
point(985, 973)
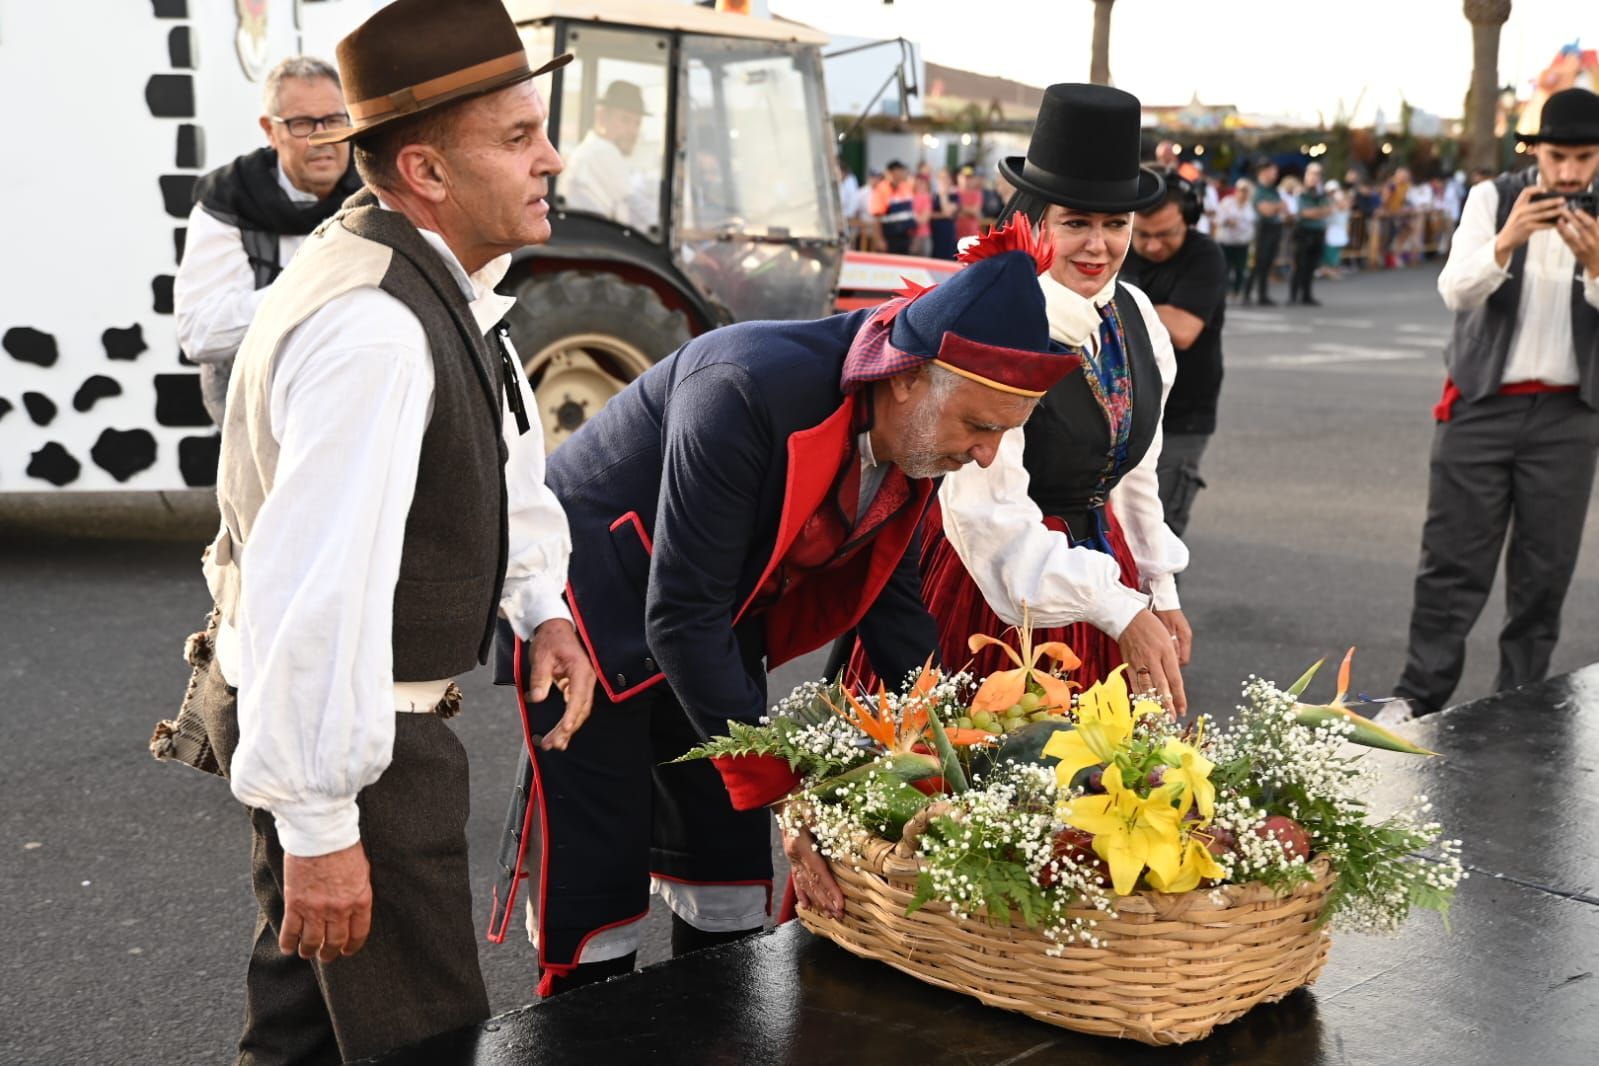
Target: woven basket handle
point(906, 848)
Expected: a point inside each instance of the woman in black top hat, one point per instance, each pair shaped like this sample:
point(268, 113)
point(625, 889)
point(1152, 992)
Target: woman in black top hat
point(1067, 519)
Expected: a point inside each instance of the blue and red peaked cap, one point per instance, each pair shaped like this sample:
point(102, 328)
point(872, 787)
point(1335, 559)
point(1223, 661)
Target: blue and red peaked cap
point(986, 323)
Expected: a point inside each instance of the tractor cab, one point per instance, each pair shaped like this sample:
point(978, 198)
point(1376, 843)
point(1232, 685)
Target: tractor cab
point(698, 189)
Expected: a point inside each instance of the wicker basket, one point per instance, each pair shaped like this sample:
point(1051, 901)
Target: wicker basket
point(1170, 969)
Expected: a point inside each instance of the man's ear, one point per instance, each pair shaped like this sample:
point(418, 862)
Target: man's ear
point(423, 171)
point(266, 128)
point(901, 386)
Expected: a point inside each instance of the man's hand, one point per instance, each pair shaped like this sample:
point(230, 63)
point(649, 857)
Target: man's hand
point(327, 904)
point(1152, 661)
point(559, 659)
point(1527, 216)
point(814, 886)
point(1177, 625)
point(1581, 233)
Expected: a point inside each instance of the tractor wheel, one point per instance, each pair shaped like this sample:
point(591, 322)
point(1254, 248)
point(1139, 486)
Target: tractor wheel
point(582, 338)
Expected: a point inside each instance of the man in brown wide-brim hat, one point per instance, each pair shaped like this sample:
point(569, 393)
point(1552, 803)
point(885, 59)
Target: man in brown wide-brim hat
point(380, 511)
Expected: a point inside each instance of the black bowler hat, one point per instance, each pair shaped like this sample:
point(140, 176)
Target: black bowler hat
point(623, 96)
point(415, 55)
point(1570, 116)
point(1084, 152)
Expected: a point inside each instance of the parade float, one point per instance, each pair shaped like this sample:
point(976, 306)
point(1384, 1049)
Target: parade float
point(1083, 857)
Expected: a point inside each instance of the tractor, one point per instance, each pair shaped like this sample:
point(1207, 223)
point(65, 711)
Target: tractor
point(698, 190)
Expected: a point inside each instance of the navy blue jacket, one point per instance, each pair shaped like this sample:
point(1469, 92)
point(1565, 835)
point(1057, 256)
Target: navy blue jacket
point(675, 492)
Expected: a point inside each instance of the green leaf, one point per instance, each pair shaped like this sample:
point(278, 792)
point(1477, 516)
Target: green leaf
point(1367, 732)
point(1303, 683)
point(954, 776)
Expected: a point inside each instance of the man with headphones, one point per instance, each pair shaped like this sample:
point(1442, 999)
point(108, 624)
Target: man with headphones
point(1184, 274)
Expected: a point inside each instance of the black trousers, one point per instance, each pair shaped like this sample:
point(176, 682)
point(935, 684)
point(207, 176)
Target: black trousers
point(1517, 464)
point(1237, 256)
point(1309, 247)
point(1268, 238)
point(418, 973)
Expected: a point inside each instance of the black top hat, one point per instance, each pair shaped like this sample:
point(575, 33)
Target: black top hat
point(1570, 116)
point(1084, 152)
point(415, 55)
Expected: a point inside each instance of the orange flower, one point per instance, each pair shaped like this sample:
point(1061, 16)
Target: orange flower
point(1005, 688)
point(906, 731)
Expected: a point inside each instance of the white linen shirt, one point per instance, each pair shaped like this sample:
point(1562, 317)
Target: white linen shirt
point(1541, 348)
point(351, 397)
point(214, 295)
point(599, 178)
point(998, 531)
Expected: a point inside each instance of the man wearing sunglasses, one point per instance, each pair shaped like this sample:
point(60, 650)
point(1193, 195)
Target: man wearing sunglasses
point(251, 215)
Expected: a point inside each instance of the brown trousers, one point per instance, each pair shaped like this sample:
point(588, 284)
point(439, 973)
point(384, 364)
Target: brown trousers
point(418, 974)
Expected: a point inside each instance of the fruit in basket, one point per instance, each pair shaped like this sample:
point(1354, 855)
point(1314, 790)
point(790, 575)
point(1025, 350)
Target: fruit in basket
point(1077, 846)
point(1024, 744)
point(1287, 832)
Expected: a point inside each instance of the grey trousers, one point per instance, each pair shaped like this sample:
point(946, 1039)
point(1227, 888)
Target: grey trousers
point(1178, 472)
point(418, 973)
point(1517, 464)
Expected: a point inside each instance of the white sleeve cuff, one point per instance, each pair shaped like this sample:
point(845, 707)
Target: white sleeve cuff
point(1590, 288)
point(528, 604)
point(1163, 593)
point(1112, 610)
point(317, 827)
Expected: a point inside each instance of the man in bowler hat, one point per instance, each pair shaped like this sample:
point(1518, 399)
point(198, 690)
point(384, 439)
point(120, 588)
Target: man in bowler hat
point(750, 498)
point(380, 509)
point(1518, 425)
point(602, 174)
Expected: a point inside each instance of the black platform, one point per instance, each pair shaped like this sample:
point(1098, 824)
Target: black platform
point(1515, 980)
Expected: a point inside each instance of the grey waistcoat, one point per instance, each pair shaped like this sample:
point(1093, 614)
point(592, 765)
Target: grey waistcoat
point(1476, 353)
point(454, 556)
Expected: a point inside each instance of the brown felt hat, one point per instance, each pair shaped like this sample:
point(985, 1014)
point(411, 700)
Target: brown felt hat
point(415, 55)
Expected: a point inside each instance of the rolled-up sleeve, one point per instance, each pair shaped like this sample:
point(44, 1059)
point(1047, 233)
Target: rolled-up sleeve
point(1471, 273)
point(214, 295)
point(1000, 536)
point(540, 540)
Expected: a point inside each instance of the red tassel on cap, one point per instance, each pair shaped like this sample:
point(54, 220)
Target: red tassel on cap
point(1017, 235)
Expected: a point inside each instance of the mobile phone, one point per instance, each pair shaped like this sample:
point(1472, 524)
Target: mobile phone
point(1577, 201)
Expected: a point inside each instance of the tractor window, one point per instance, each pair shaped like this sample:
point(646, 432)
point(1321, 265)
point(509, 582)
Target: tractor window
point(612, 134)
point(758, 159)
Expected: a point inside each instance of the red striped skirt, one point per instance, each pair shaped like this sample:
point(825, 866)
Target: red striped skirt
point(959, 610)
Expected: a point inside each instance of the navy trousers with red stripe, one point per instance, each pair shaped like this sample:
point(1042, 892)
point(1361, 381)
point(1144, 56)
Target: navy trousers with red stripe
point(610, 812)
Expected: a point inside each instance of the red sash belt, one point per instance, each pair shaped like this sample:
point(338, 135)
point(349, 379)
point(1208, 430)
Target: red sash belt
point(1444, 410)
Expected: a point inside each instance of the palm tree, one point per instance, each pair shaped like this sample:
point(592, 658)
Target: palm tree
point(1485, 16)
point(1099, 66)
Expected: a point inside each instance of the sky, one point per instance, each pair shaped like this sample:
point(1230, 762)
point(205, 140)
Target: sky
point(1278, 57)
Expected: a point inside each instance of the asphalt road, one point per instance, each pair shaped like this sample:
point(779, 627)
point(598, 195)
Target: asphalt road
point(125, 909)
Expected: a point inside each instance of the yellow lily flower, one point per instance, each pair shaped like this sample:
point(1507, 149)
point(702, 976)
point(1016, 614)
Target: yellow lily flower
point(1130, 832)
point(1104, 725)
point(1192, 771)
point(1198, 863)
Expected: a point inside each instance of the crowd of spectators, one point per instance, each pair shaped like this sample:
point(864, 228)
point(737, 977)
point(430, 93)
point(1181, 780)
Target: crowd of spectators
point(1365, 221)
point(925, 212)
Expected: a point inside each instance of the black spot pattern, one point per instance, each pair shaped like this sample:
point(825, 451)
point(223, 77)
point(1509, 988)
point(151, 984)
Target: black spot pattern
point(177, 400)
point(40, 407)
point(191, 147)
point(180, 240)
point(170, 95)
point(161, 294)
point(124, 452)
point(197, 460)
point(5, 406)
point(54, 464)
point(177, 193)
point(179, 49)
point(93, 391)
point(29, 345)
point(124, 343)
point(171, 9)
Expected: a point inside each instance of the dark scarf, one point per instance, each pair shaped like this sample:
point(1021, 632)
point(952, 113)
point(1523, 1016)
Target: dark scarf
point(246, 194)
